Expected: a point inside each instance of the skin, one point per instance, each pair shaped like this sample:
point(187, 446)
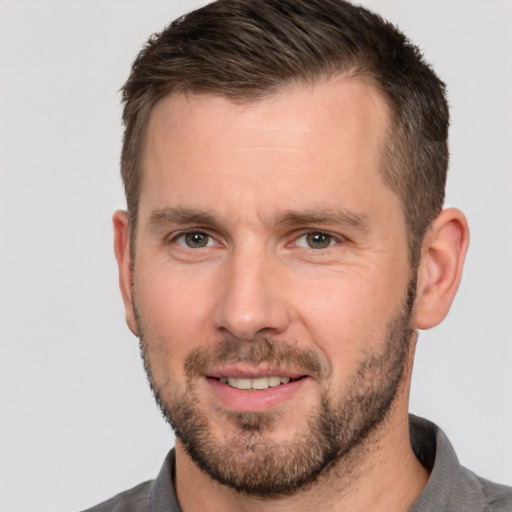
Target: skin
point(307, 149)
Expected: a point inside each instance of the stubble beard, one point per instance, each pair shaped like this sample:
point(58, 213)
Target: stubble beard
point(247, 460)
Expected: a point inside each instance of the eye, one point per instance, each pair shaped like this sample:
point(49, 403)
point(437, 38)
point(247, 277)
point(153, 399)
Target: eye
point(315, 240)
point(195, 240)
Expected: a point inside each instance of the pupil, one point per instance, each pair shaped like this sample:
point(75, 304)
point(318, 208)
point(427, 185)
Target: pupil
point(196, 240)
point(318, 240)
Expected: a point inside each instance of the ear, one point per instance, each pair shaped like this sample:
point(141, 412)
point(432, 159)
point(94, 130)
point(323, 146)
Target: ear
point(124, 262)
point(442, 258)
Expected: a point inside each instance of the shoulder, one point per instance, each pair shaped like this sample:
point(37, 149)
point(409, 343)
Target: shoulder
point(452, 487)
point(491, 496)
point(135, 499)
point(152, 496)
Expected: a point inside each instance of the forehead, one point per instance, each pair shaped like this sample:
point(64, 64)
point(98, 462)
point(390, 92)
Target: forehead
point(349, 103)
point(305, 140)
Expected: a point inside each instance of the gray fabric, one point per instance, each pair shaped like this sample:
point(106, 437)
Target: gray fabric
point(152, 496)
point(451, 487)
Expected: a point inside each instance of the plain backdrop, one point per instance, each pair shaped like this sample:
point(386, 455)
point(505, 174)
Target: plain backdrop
point(78, 423)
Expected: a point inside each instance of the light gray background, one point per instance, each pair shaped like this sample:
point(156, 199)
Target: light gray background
point(78, 423)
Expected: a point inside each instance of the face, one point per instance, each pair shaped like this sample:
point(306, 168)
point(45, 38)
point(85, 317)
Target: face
point(272, 288)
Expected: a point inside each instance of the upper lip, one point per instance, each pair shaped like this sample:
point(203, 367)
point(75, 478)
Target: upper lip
point(252, 372)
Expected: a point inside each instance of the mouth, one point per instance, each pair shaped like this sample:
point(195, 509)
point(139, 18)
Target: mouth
point(256, 384)
point(250, 392)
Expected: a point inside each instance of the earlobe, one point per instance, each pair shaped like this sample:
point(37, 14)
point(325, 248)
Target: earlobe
point(440, 270)
point(123, 257)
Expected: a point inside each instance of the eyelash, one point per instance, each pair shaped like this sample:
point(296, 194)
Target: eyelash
point(197, 233)
point(332, 240)
point(211, 241)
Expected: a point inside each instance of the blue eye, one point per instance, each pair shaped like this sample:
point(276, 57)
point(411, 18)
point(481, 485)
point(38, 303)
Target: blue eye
point(195, 240)
point(316, 240)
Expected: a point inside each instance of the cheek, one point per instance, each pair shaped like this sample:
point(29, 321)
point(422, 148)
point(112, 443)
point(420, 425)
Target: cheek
point(174, 311)
point(348, 318)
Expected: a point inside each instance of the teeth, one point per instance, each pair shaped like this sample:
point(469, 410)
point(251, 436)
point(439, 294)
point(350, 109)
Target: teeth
point(274, 381)
point(261, 383)
point(256, 384)
point(241, 383)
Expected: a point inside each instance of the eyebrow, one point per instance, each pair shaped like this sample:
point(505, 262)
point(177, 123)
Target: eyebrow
point(339, 216)
point(181, 215)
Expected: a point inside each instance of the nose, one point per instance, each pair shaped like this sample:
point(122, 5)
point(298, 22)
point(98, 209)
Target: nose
point(251, 298)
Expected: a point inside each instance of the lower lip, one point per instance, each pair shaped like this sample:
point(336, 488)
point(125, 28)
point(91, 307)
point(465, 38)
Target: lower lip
point(254, 401)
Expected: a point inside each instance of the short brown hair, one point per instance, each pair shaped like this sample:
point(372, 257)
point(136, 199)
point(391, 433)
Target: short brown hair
point(246, 50)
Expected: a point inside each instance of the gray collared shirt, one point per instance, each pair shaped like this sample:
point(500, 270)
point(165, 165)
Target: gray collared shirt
point(451, 487)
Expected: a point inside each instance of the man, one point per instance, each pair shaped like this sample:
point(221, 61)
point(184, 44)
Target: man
point(284, 165)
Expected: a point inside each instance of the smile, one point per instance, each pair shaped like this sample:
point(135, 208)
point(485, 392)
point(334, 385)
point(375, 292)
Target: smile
point(254, 384)
point(238, 390)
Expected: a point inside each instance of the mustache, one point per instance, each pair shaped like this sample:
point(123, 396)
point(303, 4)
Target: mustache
point(274, 353)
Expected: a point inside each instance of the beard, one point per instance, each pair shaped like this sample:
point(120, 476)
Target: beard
point(247, 460)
